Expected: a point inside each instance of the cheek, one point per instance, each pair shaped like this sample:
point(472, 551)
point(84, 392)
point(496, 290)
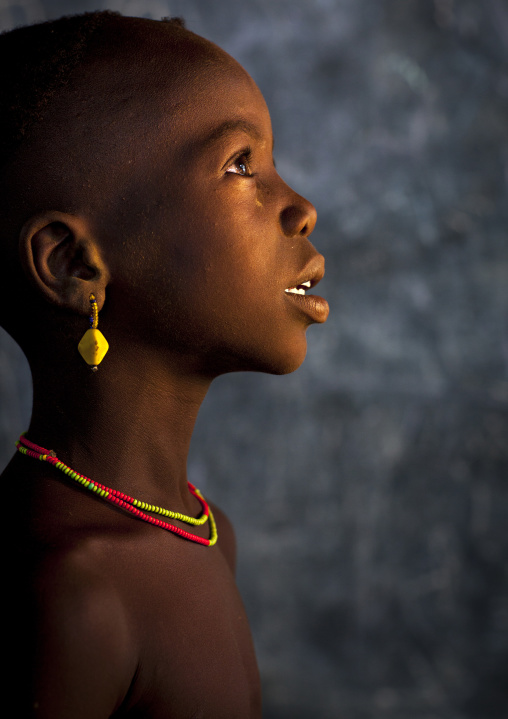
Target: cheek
point(208, 281)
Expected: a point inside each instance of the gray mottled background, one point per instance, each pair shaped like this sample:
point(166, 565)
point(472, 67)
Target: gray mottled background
point(369, 489)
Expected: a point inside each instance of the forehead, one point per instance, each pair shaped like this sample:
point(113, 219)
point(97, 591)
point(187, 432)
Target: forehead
point(206, 95)
point(179, 82)
point(224, 103)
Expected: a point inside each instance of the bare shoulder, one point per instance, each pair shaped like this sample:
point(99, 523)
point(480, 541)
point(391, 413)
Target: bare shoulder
point(84, 653)
point(69, 631)
point(227, 537)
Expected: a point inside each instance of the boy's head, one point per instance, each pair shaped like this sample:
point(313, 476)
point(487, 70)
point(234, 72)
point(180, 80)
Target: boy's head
point(137, 165)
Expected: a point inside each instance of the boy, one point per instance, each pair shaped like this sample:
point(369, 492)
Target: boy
point(137, 187)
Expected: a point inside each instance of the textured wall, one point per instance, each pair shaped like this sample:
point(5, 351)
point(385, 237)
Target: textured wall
point(369, 489)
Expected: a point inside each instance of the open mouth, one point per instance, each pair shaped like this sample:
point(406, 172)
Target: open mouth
point(314, 307)
point(299, 289)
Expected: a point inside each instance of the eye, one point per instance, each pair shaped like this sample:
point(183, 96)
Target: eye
point(240, 165)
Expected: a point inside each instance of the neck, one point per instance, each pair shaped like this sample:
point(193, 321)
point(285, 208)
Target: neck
point(128, 425)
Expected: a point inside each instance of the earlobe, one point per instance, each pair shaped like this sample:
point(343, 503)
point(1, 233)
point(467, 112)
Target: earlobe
point(61, 258)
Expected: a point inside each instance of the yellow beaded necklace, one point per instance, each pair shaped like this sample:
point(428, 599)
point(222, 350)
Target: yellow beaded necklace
point(134, 506)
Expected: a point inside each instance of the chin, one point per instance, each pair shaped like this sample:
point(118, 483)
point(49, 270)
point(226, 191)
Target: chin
point(290, 357)
point(282, 362)
point(290, 364)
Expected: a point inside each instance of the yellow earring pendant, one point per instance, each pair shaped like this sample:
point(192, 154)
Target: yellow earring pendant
point(93, 345)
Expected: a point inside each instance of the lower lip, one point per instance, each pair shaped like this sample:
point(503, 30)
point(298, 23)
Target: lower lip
point(313, 306)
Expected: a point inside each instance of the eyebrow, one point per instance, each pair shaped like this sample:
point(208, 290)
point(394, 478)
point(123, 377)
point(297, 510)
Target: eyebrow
point(231, 126)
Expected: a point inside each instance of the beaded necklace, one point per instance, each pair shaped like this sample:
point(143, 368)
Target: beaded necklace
point(134, 506)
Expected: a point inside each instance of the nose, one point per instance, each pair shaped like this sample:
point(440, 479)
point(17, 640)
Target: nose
point(298, 217)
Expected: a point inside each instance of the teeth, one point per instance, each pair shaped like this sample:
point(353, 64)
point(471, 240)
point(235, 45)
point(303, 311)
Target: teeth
point(300, 290)
point(295, 291)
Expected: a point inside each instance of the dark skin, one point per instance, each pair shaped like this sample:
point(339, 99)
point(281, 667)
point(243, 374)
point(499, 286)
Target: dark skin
point(189, 261)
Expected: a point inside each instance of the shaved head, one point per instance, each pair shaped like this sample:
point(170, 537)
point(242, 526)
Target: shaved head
point(105, 81)
point(84, 103)
point(41, 60)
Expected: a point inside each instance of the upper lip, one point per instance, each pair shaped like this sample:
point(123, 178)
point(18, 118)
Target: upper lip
point(312, 272)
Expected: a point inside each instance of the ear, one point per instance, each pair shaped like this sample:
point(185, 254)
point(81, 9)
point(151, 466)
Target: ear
point(61, 257)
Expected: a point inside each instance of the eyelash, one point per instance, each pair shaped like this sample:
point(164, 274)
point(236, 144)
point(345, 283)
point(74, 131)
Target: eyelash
point(243, 158)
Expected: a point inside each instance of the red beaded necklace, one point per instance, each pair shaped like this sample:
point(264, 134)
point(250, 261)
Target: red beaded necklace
point(134, 506)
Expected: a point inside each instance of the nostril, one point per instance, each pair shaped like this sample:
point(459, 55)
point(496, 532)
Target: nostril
point(299, 218)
